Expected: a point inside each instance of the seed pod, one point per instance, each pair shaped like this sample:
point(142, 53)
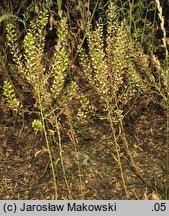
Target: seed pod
point(36, 9)
point(51, 21)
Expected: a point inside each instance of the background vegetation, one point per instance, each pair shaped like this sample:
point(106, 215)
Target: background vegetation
point(84, 99)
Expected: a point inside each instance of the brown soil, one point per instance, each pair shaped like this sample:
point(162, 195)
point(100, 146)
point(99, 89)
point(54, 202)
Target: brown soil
point(25, 171)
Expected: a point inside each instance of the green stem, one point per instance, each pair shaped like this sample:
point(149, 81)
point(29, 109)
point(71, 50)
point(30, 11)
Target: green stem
point(75, 142)
point(61, 159)
point(48, 147)
point(117, 151)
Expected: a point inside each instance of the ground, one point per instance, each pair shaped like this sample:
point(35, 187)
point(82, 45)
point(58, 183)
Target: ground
point(25, 171)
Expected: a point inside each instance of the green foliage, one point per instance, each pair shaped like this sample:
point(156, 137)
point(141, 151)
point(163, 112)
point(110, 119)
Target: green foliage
point(45, 84)
point(60, 59)
point(109, 67)
point(115, 73)
point(14, 45)
point(116, 67)
point(37, 125)
point(9, 93)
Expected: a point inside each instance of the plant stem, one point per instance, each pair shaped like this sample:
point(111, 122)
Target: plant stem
point(48, 147)
point(61, 159)
point(117, 151)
